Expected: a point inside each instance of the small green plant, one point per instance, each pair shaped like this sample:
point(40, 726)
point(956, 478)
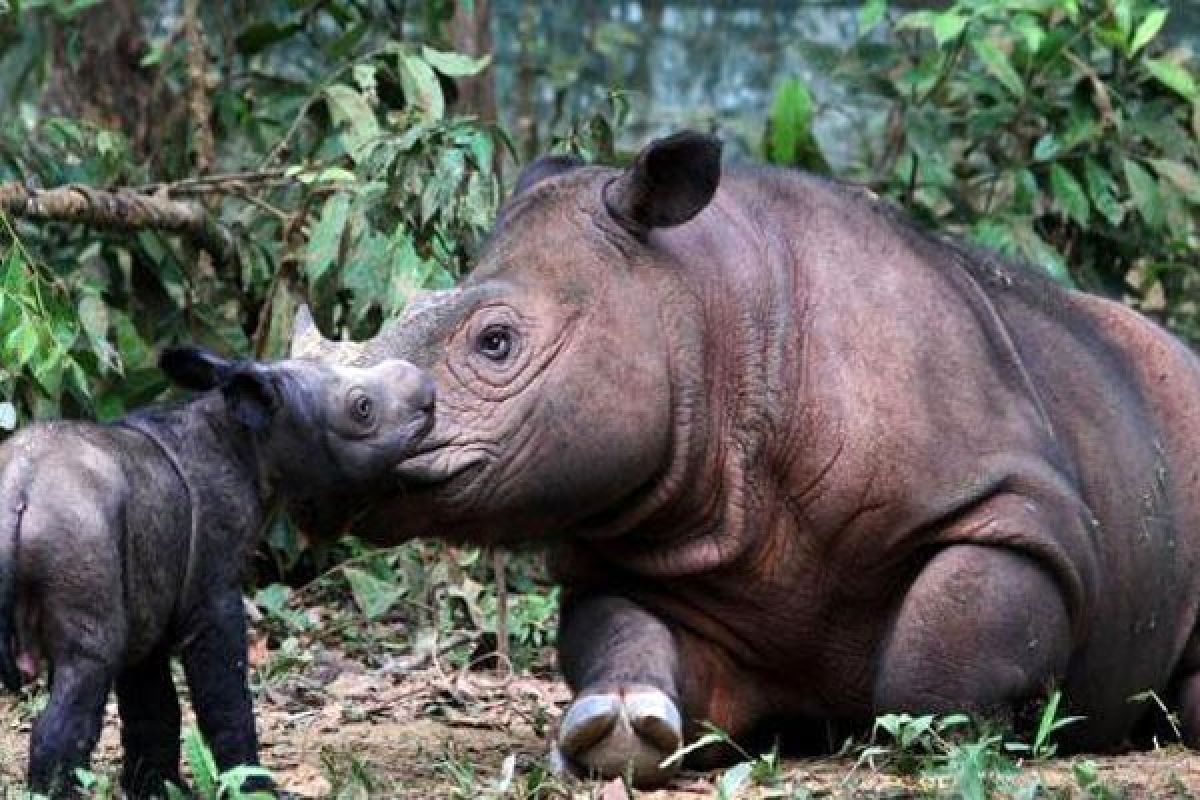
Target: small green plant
point(952, 751)
point(461, 773)
point(1049, 723)
point(1087, 778)
point(96, 785)
point(350, 776)
point(209, 782)
point(764, 771)
point(1171, 717)
point(283, 662)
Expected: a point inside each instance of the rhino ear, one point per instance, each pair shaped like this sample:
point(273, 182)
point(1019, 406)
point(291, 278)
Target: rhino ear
point(251, 395)
point(193, 368)
point(542, 168)
point(306, 338)
point(671, 181)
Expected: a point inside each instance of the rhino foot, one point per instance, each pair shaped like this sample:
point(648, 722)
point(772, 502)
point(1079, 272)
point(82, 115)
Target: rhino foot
point(624, 732)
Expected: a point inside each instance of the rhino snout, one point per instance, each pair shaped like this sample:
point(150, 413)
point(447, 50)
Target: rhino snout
point(416, 391)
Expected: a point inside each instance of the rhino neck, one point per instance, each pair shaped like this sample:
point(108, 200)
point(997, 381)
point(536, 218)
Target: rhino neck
point(734, 364)
point(219, 461)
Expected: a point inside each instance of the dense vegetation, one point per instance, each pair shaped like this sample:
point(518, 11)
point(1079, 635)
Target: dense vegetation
point(345, 152)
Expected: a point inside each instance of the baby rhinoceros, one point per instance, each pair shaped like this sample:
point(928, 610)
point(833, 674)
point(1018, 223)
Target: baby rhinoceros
point(122, 544)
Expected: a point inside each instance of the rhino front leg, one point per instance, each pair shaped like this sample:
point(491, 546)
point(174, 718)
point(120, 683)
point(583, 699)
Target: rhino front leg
point(214, 661)
point(640, 688)
point(67, 730)
point(983, 629)
point(622, 664)
point(149, 708)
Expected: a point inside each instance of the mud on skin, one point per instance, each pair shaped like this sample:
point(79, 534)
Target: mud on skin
point(123, 544)
point(793, 457)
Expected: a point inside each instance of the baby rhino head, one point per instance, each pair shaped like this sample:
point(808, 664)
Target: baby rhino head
point(321, 430)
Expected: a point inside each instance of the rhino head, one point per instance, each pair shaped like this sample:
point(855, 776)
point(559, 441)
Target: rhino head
point(562, 364)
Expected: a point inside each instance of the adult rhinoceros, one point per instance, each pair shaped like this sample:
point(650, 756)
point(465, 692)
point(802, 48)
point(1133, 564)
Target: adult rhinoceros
point(794, 458)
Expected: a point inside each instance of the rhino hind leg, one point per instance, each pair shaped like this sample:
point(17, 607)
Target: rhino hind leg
point(149, 709)
point(66, 732)
point(983, 630)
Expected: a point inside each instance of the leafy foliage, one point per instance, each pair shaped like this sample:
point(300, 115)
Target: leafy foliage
point(1059, 131)
point(341, 170)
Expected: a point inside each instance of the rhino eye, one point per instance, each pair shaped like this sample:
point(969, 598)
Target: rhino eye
point(360, 406)
point(495, 342)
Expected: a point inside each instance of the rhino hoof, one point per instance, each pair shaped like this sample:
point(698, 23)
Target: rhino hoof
point(627, 732)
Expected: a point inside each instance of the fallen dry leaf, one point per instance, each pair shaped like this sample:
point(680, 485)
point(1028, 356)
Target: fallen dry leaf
point(306, 781)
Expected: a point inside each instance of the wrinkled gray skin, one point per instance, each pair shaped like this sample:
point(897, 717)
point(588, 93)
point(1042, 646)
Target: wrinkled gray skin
point(122, 543)
point(799, 464)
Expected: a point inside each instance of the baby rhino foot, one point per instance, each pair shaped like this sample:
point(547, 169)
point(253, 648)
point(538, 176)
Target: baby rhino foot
point(628, 731)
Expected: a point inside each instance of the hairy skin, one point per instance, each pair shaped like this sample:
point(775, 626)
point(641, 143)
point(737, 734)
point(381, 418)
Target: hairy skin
point(794, 459)
point(121, 544)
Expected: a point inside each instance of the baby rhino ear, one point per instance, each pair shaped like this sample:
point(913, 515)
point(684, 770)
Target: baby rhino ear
point(251, 395)
point(193, 368)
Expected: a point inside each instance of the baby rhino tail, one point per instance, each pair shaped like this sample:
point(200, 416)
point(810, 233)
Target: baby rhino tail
point(12, 507)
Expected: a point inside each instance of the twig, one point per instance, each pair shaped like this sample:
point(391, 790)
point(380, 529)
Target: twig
point(229, 181)
point(120, 209)
point(499, 571)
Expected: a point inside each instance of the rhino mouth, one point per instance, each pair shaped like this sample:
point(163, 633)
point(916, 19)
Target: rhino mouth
point(436, 464)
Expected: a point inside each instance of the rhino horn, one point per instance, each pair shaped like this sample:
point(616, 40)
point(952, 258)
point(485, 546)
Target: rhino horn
point(307, 342)
point(306, 338)
point(671, 181)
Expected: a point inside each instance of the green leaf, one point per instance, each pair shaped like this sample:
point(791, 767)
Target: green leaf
point(733, 779)
point(259, 36)
point(1031, 30)
point(8, 416)
point(870, 15)
point(1123, 14)
point(1148, 29)
point(1173, 76)
point(1180, 174)
point(1047, 147)
point(789, 120)
point(325, 243)
point(355, 118)
point(455, 65)
point(22, 341)
point(1145, 193)
point(948, 25)
point(1069, 194)
point(204, 766)
point(93, 314)
point(998, 65)
point(1100, 189)
point(373, 596)
point(421, 87)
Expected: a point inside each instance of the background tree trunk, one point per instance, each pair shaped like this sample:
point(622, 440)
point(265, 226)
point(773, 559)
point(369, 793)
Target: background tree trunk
point(97, 76)
point(471, 33)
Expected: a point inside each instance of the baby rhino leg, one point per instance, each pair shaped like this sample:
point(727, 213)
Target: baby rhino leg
point(67, 730)
point(149, 709)
point(983, 629)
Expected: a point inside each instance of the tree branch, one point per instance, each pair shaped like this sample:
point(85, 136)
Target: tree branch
point(122, 209)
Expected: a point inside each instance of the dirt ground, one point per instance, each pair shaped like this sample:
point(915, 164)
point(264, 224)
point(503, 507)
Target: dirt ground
point(340, 731)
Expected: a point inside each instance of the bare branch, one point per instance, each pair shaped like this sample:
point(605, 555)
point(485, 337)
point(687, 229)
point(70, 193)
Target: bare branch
point(122, 209)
